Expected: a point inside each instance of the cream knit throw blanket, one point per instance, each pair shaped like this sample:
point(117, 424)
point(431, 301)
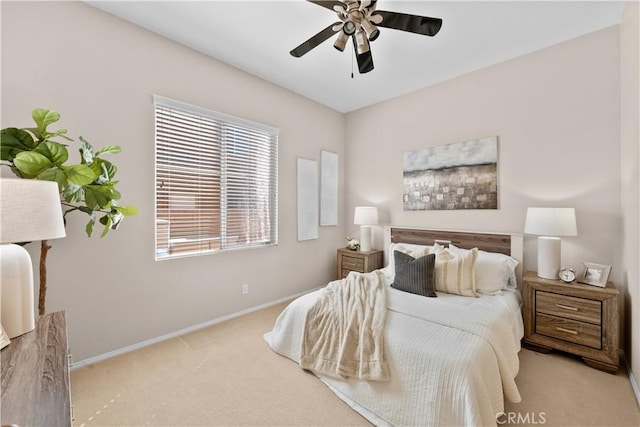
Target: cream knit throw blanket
point(344, 330)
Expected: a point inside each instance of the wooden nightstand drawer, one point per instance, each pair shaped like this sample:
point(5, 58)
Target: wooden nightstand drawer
point(581, 309)
point(363, 262)
point(569, 330)
point(352, 263)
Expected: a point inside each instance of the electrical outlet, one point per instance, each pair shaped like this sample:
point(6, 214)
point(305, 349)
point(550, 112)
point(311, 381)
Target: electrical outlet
point(245, 288)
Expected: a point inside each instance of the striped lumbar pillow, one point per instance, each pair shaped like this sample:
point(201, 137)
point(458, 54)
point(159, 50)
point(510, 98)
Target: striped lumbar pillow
point(455, 272)
point(416, 276)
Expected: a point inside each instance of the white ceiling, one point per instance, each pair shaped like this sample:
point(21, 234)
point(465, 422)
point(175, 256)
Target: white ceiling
point(256, 36)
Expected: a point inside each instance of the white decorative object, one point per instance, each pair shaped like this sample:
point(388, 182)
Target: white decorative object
point(549, 224)
point(365, 217)
point(328, 188)
point(30, 210)
point(307, 199)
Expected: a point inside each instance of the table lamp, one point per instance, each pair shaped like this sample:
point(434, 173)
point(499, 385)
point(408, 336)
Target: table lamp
point(29, 210)
point(549, 224)
point(365, 217)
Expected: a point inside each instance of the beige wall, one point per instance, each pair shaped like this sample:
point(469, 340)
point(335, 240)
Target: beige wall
point(100, 72)
point(557, 115)
point(630, 137)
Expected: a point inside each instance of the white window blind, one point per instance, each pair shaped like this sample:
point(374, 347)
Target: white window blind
point(216, 181)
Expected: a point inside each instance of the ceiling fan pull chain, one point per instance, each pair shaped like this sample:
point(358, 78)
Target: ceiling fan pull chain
point(352, 56)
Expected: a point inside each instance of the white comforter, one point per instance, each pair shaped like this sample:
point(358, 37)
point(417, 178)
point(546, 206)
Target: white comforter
point(452, 359)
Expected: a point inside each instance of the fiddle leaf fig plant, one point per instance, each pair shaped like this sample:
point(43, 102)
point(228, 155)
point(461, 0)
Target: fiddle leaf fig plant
point(88, 186)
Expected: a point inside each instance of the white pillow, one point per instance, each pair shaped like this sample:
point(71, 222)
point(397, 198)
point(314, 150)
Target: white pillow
point(455, 271)
point(494, 271)
point(415, 251)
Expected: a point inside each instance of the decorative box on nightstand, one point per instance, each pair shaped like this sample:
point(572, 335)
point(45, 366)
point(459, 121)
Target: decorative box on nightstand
point(572, 317)
point(364, 262)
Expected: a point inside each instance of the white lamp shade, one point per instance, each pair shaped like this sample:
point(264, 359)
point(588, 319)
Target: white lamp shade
point(365, 215)
point(29, 210)
point(551, 222)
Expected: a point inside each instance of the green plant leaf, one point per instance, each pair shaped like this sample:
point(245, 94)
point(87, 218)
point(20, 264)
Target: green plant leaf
point(57, 175)
point(37, 135)
point(116, 220)
point(31, 163)
point(14, 141)
point(86, 152)
point(74, 194)
point(44, 118)
point(127, 210)
point(104, 169)
point(98, 196)
point(55, 152)
point(61, 132)
point(80, 174)
point(109, 149)
point(106, 221)
point(89, 227)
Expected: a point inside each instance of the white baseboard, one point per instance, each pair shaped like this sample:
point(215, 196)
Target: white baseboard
point(632, 378)
point(120, 351)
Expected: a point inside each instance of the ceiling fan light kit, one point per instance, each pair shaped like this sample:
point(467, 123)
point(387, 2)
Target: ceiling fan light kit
point(362, 45)
point(371, 30)
point(341, 41)
point(358, 20)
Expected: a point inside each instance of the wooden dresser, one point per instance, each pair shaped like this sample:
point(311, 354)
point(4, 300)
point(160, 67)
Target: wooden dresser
point(364, 262)
point(572, 317)
point(35, 376)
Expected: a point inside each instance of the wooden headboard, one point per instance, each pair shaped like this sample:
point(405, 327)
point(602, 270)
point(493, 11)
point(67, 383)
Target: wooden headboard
point(504, 243)
point(500, 243)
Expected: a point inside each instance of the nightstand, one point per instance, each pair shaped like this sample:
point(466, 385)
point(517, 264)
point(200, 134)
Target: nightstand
point(572, 317)
point(364, 262)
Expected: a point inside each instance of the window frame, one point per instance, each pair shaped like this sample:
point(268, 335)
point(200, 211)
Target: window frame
point(226, 141)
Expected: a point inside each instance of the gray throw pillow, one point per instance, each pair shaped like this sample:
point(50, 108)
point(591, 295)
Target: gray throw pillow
point(416, 276)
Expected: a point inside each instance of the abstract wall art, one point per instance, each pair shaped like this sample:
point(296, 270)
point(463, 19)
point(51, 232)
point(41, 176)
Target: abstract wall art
point(462, 175)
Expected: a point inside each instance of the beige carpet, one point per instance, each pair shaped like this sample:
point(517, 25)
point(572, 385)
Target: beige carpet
point(226, 375)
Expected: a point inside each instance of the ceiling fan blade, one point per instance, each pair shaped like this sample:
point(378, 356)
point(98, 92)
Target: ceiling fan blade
point(314, 41)
point(329, 4)
point(365, 60)
point(411, 23)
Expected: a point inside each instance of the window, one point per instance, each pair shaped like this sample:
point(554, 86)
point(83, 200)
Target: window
point(216, 181)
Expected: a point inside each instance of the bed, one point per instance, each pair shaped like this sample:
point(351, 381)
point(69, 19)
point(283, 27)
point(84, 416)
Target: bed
point(452, 359)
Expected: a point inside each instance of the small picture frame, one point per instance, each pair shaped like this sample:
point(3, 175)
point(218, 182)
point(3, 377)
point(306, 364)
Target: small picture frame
point(4, 338)
point(595, 274)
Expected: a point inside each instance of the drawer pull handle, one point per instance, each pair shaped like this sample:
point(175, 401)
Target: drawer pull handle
point(566, 307)
point(569, 331)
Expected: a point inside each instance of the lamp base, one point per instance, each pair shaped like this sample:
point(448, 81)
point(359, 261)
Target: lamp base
point(17, 312)
point(549, 250)
point(365, 238)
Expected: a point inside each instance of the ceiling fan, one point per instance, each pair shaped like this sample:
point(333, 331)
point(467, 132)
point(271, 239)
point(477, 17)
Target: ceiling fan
point(359, 20)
